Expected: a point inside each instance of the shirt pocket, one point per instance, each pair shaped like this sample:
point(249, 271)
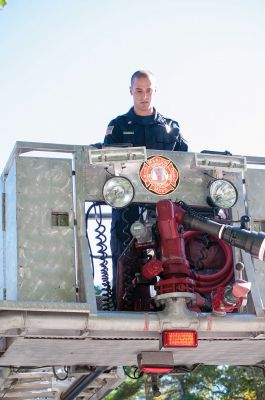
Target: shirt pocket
point(163, 139)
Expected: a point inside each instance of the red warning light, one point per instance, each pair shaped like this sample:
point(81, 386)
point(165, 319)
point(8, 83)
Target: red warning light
point(179, 339)
point(156, 370)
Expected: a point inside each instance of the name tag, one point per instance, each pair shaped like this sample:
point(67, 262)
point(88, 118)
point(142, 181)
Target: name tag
point(128, 133)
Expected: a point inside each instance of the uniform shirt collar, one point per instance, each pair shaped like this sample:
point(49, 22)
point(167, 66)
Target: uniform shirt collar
point(146, 120)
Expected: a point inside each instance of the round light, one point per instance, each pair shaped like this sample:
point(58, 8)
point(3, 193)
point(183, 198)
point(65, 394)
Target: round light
point(138, 230)
point(223, 194)
point(118, 192)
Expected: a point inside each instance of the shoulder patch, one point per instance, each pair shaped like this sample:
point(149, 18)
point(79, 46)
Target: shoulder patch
point(109, 129)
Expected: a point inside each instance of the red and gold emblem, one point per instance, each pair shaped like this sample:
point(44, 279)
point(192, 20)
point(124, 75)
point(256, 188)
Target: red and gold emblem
point(159, 175)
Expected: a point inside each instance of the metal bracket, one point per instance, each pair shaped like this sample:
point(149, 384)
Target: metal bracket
point(107, 156)
point(217, 161)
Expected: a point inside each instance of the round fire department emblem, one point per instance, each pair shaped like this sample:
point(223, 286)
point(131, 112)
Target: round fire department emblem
point(159, 175)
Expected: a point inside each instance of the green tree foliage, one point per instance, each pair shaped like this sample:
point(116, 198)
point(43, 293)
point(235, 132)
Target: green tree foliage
point(128, 389)
point(98, 290)
point(2, 3)
point(204, 383)
point(226, 383)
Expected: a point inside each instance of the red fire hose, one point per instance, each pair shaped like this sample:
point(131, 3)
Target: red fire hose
point(207, 283)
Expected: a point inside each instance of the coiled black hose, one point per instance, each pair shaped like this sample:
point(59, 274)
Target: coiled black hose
point(106, 292)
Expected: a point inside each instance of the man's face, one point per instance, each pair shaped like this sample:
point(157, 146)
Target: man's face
point(143, 91)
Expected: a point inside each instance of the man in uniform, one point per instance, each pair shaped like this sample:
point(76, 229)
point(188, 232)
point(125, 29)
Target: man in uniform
point(142, 125)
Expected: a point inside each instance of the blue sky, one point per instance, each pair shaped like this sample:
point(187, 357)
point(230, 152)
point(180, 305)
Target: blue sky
point(65, 69)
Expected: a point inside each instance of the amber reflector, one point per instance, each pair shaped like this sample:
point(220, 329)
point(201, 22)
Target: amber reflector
point(180, 339)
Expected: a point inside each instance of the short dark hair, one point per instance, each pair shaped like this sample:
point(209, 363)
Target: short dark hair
point(142, 73)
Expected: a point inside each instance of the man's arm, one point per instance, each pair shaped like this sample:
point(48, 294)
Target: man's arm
point(180, 144)
point(113, 133)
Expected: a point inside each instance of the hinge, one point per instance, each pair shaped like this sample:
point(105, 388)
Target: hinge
point(3, 211)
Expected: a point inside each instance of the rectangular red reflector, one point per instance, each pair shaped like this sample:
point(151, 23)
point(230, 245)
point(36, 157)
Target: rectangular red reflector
point(156, 370)
point(179, 339)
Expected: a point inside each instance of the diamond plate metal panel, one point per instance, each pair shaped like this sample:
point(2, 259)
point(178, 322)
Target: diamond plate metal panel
point(10, 253)
point(192, 187)
point(45, 245)
point(2, 238)
point(255, 189)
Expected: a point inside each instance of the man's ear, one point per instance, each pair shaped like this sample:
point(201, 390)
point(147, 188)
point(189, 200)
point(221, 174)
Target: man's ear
point(130, 88)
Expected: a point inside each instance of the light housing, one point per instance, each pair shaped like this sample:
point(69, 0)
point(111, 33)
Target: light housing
point(222, 193)
point(155, 362)
point(118, 192)
point(179, 338)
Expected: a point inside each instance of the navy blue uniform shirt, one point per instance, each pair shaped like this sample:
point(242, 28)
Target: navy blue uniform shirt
point(153, 131)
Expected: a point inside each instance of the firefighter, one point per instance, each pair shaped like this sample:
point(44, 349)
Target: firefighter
point(142, 125)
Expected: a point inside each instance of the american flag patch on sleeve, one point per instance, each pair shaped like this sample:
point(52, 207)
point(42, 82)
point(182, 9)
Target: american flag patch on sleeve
point(109, 130)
